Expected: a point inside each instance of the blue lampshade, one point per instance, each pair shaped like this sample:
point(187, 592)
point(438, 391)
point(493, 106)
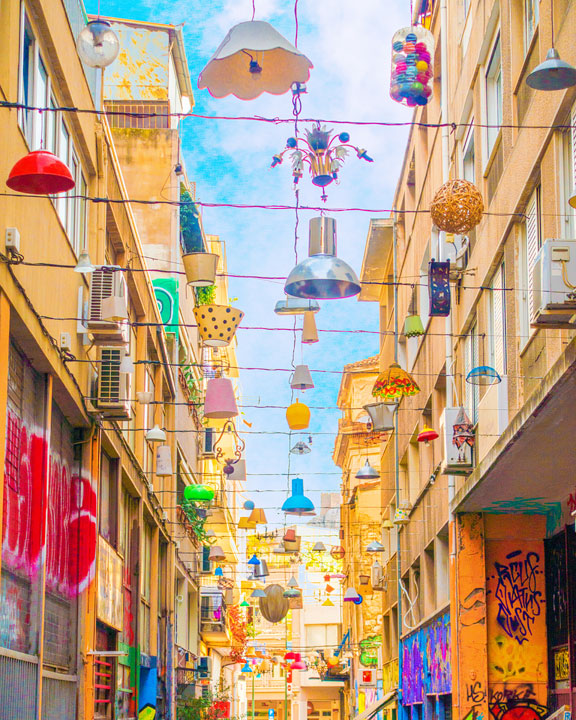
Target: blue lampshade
point(254, 560)
point(246, 668)
point(298, 503)
point(483, 375)
point(219, 572)
point(249, 505)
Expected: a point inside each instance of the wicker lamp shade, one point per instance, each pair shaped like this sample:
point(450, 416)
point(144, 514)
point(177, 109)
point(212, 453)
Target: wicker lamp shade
point(274, 606)
point(394, 384)
point(457, 207)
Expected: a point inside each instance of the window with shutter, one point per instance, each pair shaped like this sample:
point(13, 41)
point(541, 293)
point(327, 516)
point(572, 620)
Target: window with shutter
point(498, 322)
point(532, 246)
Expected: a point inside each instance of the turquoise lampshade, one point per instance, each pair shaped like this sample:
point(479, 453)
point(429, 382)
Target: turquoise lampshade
point(483, 375)
point(297, 503)
point(246, 668)
point(254, 560)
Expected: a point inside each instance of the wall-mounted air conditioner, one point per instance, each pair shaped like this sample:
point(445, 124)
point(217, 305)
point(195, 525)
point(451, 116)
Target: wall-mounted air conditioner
point(553, 300)
point(457, 461)
point(107, 289)
point(112, 386)
point(455, 248)
point(203, 666)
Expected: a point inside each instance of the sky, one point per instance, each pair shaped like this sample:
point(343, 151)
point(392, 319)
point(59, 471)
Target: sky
point(349, 46)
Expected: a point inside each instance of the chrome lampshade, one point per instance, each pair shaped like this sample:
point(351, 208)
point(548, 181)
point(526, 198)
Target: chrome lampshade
point(552, 74)
point(367, 472)
point(296, 306)
point(261, 570)
point(322, 275)
point(375, 546)
point(300, 448)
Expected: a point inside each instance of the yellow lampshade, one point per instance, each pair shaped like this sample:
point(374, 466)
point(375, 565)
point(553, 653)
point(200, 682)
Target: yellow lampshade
point(246, 524)
point(257, 516)
point(298, 416)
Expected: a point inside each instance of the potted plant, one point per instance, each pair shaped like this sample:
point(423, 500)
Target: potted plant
point(200, 266)
point(217, 324)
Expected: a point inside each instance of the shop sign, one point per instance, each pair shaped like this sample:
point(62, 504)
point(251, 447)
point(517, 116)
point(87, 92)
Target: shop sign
point(110, 608)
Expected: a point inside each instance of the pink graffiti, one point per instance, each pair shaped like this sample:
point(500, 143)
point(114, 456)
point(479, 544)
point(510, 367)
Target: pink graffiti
point(70, 520)
point(572, 502)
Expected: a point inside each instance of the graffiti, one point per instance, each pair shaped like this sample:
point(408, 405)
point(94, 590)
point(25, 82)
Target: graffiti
point(561, 664)
point(519, 600)
point(515, 694)
point(369, 650)
point(426, 662)
point(475, 693)
point(529, 506)
point(473, 608)
point(522, 710)
point(572, 502)
point(148, 712)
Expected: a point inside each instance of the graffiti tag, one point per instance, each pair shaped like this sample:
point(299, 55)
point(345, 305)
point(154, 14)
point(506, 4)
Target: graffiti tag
point(475, 693)
point(519, 600)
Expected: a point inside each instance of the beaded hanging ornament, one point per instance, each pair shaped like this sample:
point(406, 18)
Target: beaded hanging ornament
point(457, 207)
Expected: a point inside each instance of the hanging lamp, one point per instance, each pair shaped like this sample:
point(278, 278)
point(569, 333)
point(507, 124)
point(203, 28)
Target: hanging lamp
point(319, 547)
point(97, 44)
point(244, 604)
point(367, 472)
point(309, 330)
point(198, 493)
point(40, 173)
point(246, 667)
point(252, 59)
point(351, 595)
point(84, 264)
point(249, 505)
point(322, 275)
point(381, 416)
point(328, 603)
point(298, 416)
point(427, 434)
point(245, 524)
point(394, 384)
point(296, 306)
point(156, 434)
point(219, 572)
point(413, 326)
point(257, 516)
point(164, 461)
point(258, 593)
point(254, 560)
point(291, 593)
point(261, 570)
point(297, 503)
point(375, 546)
point(220, 401)
point(292, 583)
point(483, 375)
point(552, 74)
point(300, 448)
point(301, 378)
point(216, 554)
point(298, 663)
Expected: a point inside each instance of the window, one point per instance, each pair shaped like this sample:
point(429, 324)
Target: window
point(469, 155)
point(108, 520)
point(49, 130)
point(322, 636)
point(567, 176)
point(146, 588)
point(497, 300)
point(493, 96)
point(471, 361)
point(530, 241)
point(531, 12)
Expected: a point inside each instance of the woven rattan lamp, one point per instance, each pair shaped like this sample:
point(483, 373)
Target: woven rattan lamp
point(457, 207)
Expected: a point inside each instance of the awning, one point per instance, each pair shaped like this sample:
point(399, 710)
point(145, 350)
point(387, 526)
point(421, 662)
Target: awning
point(375, 708)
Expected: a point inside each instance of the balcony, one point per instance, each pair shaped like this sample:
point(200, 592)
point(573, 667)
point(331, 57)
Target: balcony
point(213, 626)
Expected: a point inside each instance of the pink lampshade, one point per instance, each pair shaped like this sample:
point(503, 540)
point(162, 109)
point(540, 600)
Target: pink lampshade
point(298, 663)
point(220, 403)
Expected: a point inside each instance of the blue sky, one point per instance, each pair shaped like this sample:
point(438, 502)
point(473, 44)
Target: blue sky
point(349, 45)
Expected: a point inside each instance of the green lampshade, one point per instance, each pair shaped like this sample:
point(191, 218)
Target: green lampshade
point(413, 326)
point(198, 493)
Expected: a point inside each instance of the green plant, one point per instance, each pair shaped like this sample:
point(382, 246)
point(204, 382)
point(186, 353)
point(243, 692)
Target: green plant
point(210, 706)
point(206, 295)
point(190, 229)
point(196, 519)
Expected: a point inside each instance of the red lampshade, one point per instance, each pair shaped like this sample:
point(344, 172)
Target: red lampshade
point(427, 434)
point(40, 173)
point(290, 655)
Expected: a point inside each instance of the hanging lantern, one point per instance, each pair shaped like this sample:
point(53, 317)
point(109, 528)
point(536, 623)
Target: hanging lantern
point(216, 554)
point(457, 207)
point(364, 579)
point(412, 77)
point(439, 288)
point(217, 324)
point(198, 493)
point(381, 416)
point(552, 74)
point(309, 331)
point(463, 430)
point(329, 588)
point(40, 173)
point(337, 552)
point(402, 514)
point(200, 268)
point(220, 402)
point(301, 378)
point(97, 44)
point(376, 574)
point(246, 667)
point(427, 434)
point(322, 275)
point(274, 607)
point(297, 503)
point(483, 375)
point(164, 461)
point(300, 448)
point(292, 593)
point(332, 661)
point(84, 264)
point(296, 306)
point(298, 416)
point(319, 547)
point(413, 326)
point(219, 572)
point(254, 560)
point(367, 472)
point(394, 384)
point(387, 525)
point(252, 59)
point(375, 546)
point(145, 398)
point(351, 595)
point(257, 516)
point(289, 535)
point(257, 593)
point(261, 570)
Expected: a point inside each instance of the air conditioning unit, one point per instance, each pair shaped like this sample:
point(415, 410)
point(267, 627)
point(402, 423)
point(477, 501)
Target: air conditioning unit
point(112, 387)
point(455, 248)
point(553, 300)
point(203, 666)
point(107, 283)
point(457, 461)
point(208, 440)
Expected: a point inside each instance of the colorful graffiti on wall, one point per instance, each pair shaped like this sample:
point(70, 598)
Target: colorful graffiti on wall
point(369, 650)
point(426, 666)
